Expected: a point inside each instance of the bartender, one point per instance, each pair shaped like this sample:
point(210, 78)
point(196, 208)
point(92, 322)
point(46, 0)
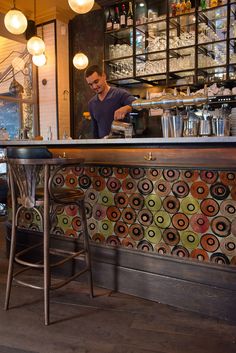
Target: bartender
point(109, 103)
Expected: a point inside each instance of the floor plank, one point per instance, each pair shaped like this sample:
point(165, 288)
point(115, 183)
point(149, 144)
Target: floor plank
point(109, 323)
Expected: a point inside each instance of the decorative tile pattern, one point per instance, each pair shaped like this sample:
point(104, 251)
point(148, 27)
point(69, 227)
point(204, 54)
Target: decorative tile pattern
point(184, 213)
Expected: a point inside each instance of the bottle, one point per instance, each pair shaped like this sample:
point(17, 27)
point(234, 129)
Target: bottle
point(178, 8)
point(49, 134)
point(173, 8)
point(183, 6)
point(130, 17)
point(188, 6)
point(123, 16)
point(109, 23)
point(203, 4)
point(213, 3)
point(116, 23)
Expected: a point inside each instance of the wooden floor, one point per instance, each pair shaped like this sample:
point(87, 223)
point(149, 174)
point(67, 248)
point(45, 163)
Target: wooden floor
point(111, 322)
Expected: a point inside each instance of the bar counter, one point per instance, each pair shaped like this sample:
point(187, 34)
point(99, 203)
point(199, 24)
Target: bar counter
point(190, 152)
point(161, 216)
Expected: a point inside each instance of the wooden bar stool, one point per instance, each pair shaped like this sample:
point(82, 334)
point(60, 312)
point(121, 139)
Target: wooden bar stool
point(25, 166)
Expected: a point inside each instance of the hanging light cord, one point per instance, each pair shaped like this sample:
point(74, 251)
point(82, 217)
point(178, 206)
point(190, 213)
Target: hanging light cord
point(34, 11)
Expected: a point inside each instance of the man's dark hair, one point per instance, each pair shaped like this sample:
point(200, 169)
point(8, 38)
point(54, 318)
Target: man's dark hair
point(93, 68)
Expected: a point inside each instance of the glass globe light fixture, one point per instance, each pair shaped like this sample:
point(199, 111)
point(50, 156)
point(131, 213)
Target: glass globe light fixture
point(39, 60)
point(80, 61)
point(35, 46)
point(15, 21)
point(81, 6)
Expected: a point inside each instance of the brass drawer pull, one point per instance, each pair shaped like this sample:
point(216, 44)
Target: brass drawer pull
point(149, 157)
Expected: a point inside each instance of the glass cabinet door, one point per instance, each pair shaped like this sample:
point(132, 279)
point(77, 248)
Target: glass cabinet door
point(173, 43)
point(232, 43)
point(182, 40)
point(151, 40)
point(212, 44)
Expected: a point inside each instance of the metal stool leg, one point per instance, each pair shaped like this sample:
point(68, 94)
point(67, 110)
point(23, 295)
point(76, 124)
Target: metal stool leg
point(86, 245)
point(12, 247)
point(46, 260)
point(10, 266)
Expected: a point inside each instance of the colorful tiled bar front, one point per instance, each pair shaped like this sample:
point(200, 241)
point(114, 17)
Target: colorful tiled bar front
point(185, 213)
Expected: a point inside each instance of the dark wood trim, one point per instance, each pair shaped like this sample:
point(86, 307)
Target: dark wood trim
point(199, 287)
point(194, 157)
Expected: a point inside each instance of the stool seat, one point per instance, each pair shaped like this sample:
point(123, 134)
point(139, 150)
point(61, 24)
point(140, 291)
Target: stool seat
point(65, 196)
point(32, 186)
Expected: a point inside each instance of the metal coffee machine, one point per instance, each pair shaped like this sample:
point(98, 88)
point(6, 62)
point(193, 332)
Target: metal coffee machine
point(121, 129)
point(135, 124)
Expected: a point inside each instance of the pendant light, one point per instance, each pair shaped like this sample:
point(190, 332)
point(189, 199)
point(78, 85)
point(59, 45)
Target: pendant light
point(81, 6)
point(39, 60)
point(80, 61)
point(35, 44)
point(15, 21)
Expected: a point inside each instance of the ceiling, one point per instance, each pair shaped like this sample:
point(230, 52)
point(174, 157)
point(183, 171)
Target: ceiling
point(46, 6)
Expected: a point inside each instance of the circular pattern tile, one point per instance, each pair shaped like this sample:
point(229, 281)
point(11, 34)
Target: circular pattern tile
point(209, 176)
point(121, 200)
point(162, 219)
point(162, 248)
point(189, 239)
point(153, 202)
point(180, 189)
point(136, 201)
point(145, 217)
point(180, 251)
point(153, 234)
point(145, 186)
point(209, 242)
point(219, 259)
point(189, 175)
point(228, 209)
point(228, 246)
point(171, 174)
point(200, 255)
point(219, 191)
point(136, 231)
point(128, 215)
point(221, 226)
point(199, 190)
point(180, 221)
point(228, 178)
point(113, 213)
point(189, 205)
point(199, 223)
point(121, 229)
point(171, 236)
point(129, 186)
point(145, 245)
point(154, 173)
point(210, 207)
point(171, 204)
point(113, 184)
point(162, 188)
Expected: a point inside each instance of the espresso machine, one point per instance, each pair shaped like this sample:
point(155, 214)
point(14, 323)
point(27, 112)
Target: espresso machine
point(134, 125)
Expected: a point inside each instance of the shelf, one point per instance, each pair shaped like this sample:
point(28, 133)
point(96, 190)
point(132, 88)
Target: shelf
point(124, 81)
point(191, 12)
point(222, 99)
point(121, 33)
point(177, 48)
point(118, 58)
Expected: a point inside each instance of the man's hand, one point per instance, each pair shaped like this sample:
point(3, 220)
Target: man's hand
point(120, 113)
